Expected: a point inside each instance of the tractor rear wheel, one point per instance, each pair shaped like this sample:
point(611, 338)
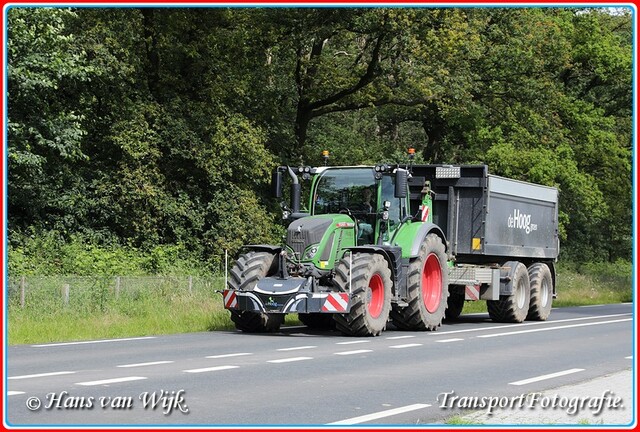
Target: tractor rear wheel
point(541, 283)
point(371, 294)
point(513, 308)
point(428, 288)
point(245, 274)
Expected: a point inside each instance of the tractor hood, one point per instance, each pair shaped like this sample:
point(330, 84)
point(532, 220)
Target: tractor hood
point(312, 238)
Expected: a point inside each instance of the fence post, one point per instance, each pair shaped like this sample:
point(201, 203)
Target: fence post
point(190, 284)
point(117, 287)
point(65, 293)
point(22, 291)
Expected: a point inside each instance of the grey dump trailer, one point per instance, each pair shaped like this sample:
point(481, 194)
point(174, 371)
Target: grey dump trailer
point(502, 239)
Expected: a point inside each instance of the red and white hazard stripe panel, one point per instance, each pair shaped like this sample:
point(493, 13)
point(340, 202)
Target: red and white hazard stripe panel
point(472, 292)
point(230, 299)
point(425, 213)
point(336, 302)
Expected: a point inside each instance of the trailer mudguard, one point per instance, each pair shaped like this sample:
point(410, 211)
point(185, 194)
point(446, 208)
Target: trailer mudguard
point(507, 271)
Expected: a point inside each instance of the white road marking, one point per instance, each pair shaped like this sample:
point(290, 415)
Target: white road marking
point(92, 342)
point(399, 337)
point(527, 324)
point(379, 415)
point(298, 348)
point(554, 328)
point(132, 365)
point(546, 377)
point(352, 342)
point(13, 393)
point(406, 345)
point(41, 375)
point(228, 355)
point(449, 340)
point(290, 359)
point(590, 306)
point(629, 358)
point(353, 352)
point(111, 381)
point(210, 369)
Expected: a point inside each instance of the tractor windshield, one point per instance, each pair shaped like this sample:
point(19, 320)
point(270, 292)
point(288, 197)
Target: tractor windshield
point(352, 189)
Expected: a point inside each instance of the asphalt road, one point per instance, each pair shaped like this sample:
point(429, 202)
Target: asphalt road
point(300, 377)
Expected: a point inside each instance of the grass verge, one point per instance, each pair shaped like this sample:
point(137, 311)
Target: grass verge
point(146, 310)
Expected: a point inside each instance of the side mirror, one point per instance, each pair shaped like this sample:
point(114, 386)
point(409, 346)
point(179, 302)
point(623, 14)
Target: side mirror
point(401, 183)
point(276, 184)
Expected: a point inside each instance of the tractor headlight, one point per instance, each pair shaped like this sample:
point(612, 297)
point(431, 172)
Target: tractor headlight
point(311, 252)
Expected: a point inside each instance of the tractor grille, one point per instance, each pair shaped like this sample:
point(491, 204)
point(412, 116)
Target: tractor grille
point(304, 232)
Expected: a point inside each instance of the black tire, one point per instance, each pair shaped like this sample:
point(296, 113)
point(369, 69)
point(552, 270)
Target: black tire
point(455, 304)
point(428, 288)
point(515, 307)
point(371, 294)
point(244, 275)
point(541, 283)
point(318, 321)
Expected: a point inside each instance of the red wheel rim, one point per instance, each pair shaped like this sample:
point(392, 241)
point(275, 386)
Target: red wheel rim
point(375, 296)
point(431, 283)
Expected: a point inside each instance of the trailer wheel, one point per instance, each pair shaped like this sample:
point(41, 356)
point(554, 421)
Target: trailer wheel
point(371, 294)
point(319, 321)
point(245, 274)
point(455, 304)
point(541, 292)
point(428, 288)
point(515, 307)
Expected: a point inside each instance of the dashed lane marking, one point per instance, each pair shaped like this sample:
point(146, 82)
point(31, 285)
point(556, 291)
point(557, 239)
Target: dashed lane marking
point(290, 359)
point(219, 356)
point(111, 381)
point(399, 337)
point(92, 342)
point(379, 415)
point(298, 348)
point(40, 375)
point(210, 369)
point(545, 377)
point(134, 365)
point(13, 393)
point(449, 340)
point(344, 353)
point(406, 345)
point(352, 342)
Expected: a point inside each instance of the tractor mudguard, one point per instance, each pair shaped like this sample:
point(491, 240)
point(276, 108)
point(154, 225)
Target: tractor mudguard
point(424, 230)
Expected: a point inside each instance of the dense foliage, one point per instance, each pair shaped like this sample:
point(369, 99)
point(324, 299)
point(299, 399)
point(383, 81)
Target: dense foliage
point(146, 128)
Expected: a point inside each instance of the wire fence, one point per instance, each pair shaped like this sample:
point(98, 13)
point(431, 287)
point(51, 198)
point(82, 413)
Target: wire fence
point(99, 293)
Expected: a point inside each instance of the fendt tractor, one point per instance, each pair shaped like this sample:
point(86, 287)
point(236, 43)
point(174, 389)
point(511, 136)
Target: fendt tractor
point(406, 244)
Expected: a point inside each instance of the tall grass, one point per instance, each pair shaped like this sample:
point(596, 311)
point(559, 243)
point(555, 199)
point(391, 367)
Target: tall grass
point(104, 308)
point(99, 307)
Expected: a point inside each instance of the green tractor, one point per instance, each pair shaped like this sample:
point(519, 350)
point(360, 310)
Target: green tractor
point(367, 252)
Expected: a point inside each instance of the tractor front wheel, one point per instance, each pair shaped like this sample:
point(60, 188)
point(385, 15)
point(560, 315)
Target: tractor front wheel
point(245, 274)
point(370, 285)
